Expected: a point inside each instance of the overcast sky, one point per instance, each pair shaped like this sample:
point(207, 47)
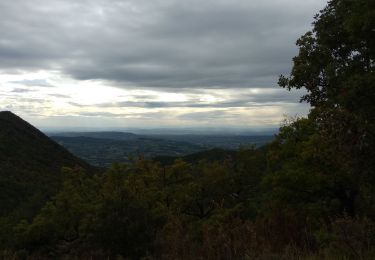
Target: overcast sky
point(143, 63)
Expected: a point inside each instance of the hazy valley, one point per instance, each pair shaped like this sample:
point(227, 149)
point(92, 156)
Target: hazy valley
point(106, 148)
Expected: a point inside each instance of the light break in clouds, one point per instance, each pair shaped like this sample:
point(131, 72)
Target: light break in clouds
point(126, 63)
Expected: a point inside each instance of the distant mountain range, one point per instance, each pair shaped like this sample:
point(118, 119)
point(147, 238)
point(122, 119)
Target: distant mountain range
point(112, 135)
point(105, 151)
point(105, 148)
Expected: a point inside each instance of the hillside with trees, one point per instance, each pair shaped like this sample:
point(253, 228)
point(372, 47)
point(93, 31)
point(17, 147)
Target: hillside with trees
point(30, 163)
point(309, 194)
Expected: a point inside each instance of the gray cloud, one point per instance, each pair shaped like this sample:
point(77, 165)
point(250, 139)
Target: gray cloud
point(148, 115)
point(59, 95)
point(266, 117)
point(217, 114)
point(33, 83)
point(162, 43)
point(191, 104)
point(101, 114)
point(21, 90)
point(242, 99)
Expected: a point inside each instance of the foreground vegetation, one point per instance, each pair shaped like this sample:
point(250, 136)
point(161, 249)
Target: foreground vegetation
point(308, 194)
point(294, 198)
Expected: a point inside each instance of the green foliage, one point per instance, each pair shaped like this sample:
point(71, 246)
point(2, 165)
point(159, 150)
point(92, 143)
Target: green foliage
point(336, 66)
point(262, 202)
point(336, 59)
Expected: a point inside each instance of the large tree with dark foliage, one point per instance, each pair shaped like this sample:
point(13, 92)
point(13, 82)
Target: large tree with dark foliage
point(336, 65)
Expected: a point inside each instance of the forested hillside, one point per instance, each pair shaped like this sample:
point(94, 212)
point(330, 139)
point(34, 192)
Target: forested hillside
point(30, 164)
point(309, 194)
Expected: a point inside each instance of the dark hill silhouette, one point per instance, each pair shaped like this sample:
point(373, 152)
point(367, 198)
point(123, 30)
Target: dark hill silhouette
point(30, 164)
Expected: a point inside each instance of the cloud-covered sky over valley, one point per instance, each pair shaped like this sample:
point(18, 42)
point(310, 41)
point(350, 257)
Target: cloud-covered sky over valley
point(141, 63)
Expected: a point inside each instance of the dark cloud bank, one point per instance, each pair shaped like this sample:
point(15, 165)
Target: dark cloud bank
point(160, 44)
